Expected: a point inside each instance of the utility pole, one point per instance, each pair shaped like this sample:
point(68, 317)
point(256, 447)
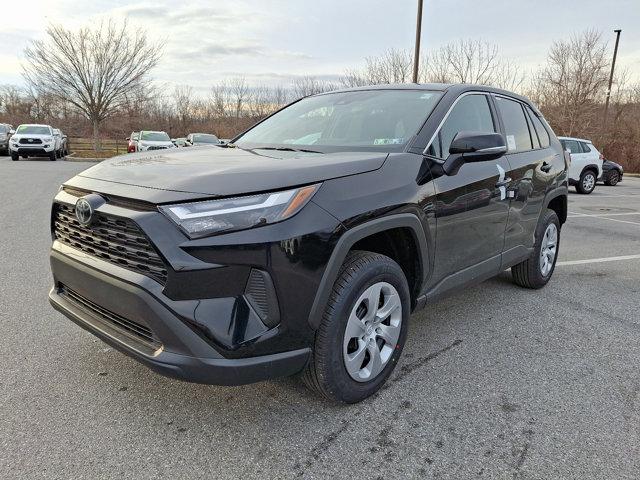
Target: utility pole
point(416, 53)
point(613, 66)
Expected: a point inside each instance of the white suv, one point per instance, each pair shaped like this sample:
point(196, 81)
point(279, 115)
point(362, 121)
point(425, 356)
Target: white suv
point(32, 140)
point(586, 163)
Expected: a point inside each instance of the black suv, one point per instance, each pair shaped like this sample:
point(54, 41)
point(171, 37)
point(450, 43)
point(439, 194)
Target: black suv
point(304, 244)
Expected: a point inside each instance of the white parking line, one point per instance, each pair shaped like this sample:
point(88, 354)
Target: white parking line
point(586, 197)
point(598, 260)
point(577, 214)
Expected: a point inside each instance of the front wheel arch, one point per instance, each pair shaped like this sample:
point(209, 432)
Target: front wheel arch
point(349, 239)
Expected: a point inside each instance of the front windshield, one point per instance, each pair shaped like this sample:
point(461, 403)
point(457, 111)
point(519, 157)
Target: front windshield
point(367, 118)
point(33, 130)
point(205, 138)
point(155, 137)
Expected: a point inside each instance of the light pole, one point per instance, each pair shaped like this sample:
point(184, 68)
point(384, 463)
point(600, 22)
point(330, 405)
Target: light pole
point(613, 66)
point(416, 53)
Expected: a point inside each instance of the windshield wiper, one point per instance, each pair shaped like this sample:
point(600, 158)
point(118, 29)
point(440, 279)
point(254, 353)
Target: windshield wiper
point(287, 149)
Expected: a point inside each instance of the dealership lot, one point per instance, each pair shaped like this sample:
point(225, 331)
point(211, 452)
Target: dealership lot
point(495, 382)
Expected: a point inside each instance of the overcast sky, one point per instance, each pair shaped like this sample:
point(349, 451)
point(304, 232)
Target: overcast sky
point(271, 41)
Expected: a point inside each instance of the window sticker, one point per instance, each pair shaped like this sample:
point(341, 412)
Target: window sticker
point(511, 143)
point(388, 141)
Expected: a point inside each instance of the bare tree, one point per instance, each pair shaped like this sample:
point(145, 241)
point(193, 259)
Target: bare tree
point(239, 90)
point(471, 61)
point(393, 66)
point(183, 102)
point(309, 85)
point(92, 69)
point(571, 86)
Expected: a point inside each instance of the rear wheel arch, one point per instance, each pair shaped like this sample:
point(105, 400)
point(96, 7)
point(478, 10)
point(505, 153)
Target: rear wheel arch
point(371, 233)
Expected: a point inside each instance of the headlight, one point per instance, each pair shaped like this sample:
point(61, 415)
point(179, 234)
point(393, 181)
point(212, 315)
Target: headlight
point(47, 139)
point(199, 219)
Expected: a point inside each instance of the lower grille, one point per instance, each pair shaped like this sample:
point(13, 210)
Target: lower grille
point(156, 148)
point(114, 239)
point(134, 330)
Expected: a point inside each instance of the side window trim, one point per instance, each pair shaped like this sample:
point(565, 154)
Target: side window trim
point(496, 124)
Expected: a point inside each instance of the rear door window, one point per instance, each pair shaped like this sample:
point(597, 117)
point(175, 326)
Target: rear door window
point(471, 113)
point(515, 125)
point(572, 145)
point(585, 147)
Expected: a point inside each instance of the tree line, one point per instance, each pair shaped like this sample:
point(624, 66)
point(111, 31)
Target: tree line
point(97, 82)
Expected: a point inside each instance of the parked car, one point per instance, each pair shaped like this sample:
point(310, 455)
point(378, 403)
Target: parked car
point(179, 142)
point(60, 141)
point(611, 173)
point(586, 163)
point(32, 140)
point(133, 142)
point(197, 139)
point(304, 244)
point(150, 140)
point(6, 131)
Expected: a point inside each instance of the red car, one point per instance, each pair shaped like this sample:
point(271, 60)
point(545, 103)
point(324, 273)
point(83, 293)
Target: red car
point(133, 142)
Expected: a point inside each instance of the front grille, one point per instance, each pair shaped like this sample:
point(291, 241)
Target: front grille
point(30, 141)
point(134, 330)
point(114, 239)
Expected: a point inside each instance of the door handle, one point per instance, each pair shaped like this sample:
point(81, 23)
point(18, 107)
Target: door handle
point(546, 167)
point(503, 183)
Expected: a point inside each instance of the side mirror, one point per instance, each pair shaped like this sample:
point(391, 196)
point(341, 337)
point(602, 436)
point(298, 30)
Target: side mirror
point(11, 132)
point(128, 138)
point(473, 147)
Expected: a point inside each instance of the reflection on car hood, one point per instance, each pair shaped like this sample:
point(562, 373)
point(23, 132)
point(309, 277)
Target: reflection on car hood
point(228, 171)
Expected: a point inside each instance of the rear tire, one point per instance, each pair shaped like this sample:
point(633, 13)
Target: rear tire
point(359, 333)
point(612, 178)
point(537, 270)
point(587, 182)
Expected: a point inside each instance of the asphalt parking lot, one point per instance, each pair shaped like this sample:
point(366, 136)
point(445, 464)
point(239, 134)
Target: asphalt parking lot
point(495, 382)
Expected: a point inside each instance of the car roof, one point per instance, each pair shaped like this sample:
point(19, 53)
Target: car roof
point(438, 87)
point(33, 125)
point(576, 139)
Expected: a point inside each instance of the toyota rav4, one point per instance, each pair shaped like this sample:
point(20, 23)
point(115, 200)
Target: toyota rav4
point(304, 244)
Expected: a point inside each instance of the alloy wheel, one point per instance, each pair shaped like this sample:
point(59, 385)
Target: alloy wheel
point(548, 249)
point(372, 331)
point(588, 182)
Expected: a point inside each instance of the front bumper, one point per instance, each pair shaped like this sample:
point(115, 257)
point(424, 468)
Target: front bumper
point(32, 150)
point(206, 324)
point(177, 350)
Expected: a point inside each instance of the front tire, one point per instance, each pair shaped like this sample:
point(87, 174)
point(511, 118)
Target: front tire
point(15, 157)
point(363, 329)
point(587, 182)
point(53, 156)
point(537, 270)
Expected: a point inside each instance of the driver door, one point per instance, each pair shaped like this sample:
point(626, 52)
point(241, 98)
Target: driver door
point(471, 207)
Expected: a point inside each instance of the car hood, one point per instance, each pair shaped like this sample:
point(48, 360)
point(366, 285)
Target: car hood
point(222, 171)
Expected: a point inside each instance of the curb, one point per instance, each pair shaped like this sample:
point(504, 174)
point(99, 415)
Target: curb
point(71, 158)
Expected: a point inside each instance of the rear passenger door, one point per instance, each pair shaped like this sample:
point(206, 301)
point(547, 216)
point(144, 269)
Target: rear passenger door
point(577, 158)
point(534, 165)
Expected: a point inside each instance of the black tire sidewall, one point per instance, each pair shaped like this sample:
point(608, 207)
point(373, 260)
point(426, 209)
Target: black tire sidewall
point(550, 217)
point(344, 387)
point(613, 178)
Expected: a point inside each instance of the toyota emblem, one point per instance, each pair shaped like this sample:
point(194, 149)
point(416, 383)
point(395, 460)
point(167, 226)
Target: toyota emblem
point(84, 212)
